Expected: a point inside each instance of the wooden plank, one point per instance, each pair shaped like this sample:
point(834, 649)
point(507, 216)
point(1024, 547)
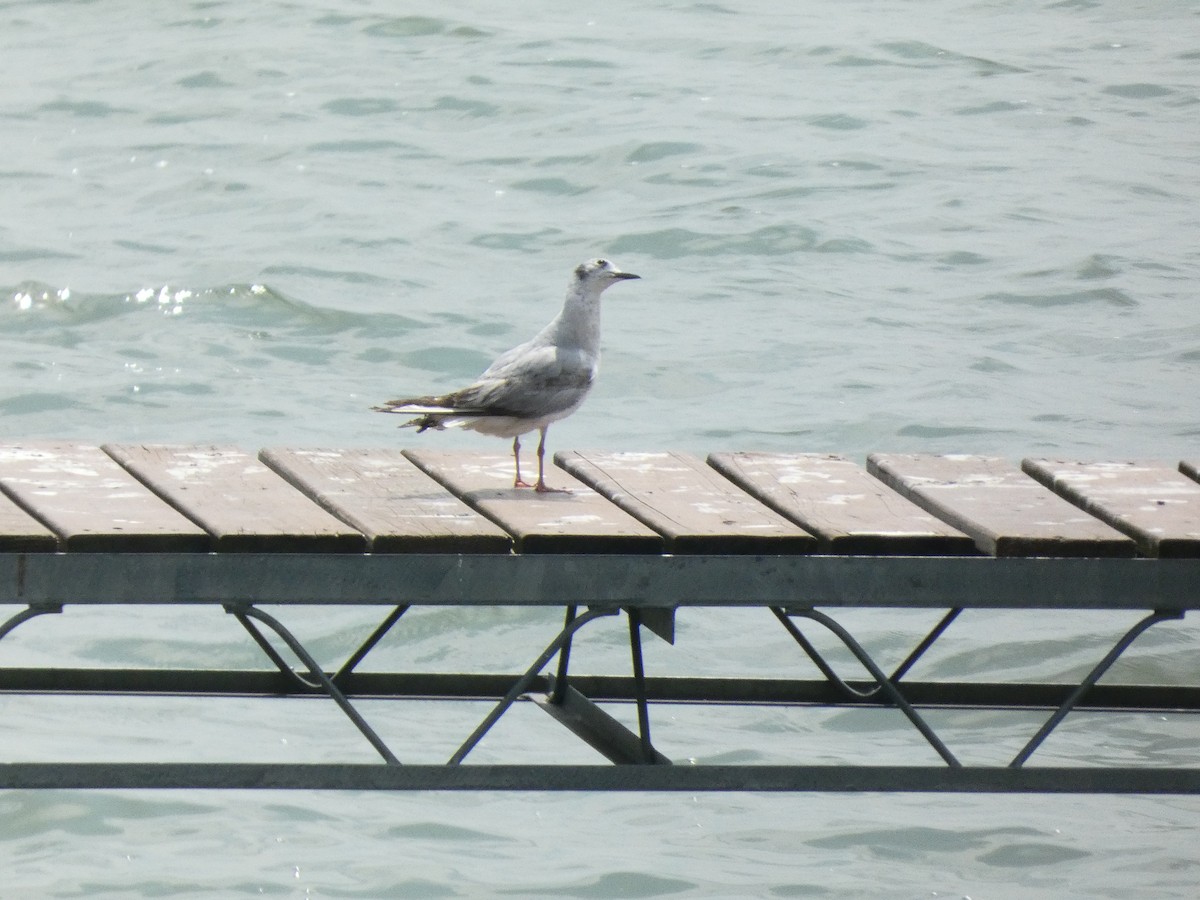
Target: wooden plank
point(381, 493)
point(579, 521)
point(1190, 468)
point(21, 532)
point(1004, 510)
point(91, 503)
point(239, 501)
point(1152, 502)
point(847, 509)
point(684, 500)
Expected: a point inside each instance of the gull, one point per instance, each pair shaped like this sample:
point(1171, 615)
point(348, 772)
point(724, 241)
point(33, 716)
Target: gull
point(533, 384)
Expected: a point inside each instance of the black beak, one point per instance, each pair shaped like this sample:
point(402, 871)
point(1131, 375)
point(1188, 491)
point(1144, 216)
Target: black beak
point(624, 275)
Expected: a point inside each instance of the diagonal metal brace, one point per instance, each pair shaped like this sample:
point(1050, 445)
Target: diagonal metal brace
point(522, 684)
point(841, 684)
point(886, 685)
point(649, 755)
point(369, 644)
point(272, 654)
point(30, 612)
point(346, 668)
point(559, 690)
point(928, 641)
point(244, 613)
point(1089, 682)
point(596, 728)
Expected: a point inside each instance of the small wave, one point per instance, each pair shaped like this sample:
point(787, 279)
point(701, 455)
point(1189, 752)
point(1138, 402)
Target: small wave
point(674, 243)
point(32, 304)
point(86, 109)
point(987, 109)
point(362, 106)
point(1138, 91)
point(1108, 296)
point(422, 26)
point(657, 150)
point(943, 431)
point(559, 187)
point(919, 53)
point(40, 302)
point(838, 122)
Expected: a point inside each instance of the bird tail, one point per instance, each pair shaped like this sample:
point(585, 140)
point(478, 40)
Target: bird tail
point(429, 413)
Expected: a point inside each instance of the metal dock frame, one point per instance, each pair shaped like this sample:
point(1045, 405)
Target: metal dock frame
point(796, 591)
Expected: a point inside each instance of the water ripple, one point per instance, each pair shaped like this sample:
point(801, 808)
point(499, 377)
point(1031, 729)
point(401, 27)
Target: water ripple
point(675, 243)
point(969, 230)
point(1104, 296)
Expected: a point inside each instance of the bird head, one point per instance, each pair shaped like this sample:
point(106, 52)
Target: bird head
point(597, 274)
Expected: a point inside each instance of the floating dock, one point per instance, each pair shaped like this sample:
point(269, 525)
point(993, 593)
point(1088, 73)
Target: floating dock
point(645, 536)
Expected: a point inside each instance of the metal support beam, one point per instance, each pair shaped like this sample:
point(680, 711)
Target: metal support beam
point(597, 728)
point(692, 779)
point(639, 681)
point(369, 644)
point(523, 683)
point(564, 661)
point(243, 613)
point(889, 690)
point(298, 680)
point(845, 687)
point(1089, 682)
point(1140, 698)
point(649, 589)
point(926, 642)
point(552, 579)
point(23, 616)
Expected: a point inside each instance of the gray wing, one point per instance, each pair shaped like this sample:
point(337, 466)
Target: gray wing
point(530, 381)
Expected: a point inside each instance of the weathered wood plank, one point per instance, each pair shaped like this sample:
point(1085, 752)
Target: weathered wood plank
point(235, 498)
point(382, 494)
point(1152, 502)
point(1004, 510)
point(91, 503)
point(684, 500)
point(847, 509)
point(579, 521)
point(21, 532)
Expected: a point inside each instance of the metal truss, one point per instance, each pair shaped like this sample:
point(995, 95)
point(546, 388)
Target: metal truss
point(572, 699)
point(800, 593)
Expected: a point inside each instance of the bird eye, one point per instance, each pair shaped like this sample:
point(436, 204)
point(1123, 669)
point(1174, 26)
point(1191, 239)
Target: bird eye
point(602, 262)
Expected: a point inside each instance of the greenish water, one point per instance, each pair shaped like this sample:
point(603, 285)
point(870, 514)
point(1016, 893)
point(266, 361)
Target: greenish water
point(953, 226)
